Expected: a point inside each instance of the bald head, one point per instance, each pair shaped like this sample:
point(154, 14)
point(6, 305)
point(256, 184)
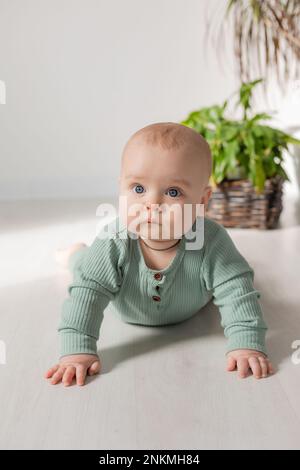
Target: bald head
point(173, 136)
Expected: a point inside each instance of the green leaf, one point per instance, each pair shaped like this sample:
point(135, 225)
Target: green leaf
point(245, 94)
point(231, 151)
point(280, 171)
point(259, 116)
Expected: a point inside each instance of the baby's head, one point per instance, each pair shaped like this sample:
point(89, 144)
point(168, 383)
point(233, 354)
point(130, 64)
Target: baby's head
point(165, 169)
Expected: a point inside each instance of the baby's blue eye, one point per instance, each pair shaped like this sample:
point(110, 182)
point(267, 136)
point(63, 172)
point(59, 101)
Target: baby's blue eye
point(139, 186)
point(173, 192)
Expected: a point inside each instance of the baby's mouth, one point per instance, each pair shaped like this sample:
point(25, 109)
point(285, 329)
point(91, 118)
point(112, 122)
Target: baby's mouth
point(152, 221)
point(147, 219)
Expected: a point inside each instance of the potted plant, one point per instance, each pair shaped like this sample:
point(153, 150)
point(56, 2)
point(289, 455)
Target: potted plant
point(264, 34)
point(247, 175)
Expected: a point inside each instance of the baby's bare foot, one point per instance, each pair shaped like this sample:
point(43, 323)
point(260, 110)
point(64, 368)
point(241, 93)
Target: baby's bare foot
point(62, 255)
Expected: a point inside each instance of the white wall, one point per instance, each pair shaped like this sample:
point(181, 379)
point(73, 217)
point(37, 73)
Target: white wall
point(82, 75)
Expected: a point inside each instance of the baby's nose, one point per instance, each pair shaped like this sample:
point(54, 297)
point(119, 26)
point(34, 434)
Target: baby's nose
point(153, 207)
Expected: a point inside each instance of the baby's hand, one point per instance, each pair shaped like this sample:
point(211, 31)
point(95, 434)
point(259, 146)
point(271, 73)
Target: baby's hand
point(245, 359)
point(76, 365)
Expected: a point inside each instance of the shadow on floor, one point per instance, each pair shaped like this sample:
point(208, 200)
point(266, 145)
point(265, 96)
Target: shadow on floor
point(37, 305)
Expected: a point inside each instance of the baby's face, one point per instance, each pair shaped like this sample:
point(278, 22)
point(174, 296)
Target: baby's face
point(160, 190)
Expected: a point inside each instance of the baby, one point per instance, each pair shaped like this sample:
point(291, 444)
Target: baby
point(153, 279)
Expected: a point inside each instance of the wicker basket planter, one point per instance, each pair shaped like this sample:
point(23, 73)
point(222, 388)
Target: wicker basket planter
point(234, 203)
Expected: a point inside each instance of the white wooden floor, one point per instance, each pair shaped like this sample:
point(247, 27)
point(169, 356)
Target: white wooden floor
point(160, 387)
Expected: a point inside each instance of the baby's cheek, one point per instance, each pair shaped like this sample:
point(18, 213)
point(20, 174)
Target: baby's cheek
point(131, 222)
point(175, 219)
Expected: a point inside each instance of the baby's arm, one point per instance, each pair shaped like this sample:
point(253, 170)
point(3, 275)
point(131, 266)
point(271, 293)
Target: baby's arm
point(230, 277)
point(97, 278)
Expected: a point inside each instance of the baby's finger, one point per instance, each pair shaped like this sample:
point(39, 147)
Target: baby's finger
point(94, 368)
point(68, 375)
point(264, 366)
point(270, 367)
point(231, 363)
point(243, 366)
point(80, 374)
point(58, 375)
point(51, 371)
point(255, 366)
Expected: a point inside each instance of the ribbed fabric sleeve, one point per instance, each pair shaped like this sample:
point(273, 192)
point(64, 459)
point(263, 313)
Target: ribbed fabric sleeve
point(230, 278)
point(96, 280)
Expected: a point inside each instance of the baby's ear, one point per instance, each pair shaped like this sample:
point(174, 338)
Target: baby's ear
point(209, 191)
point(206, 194)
